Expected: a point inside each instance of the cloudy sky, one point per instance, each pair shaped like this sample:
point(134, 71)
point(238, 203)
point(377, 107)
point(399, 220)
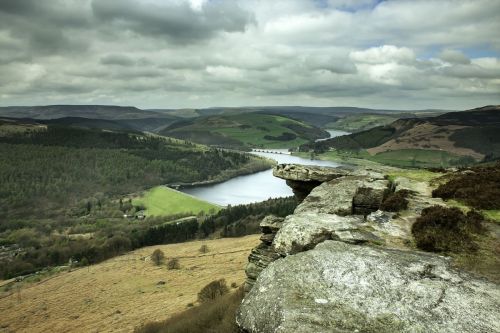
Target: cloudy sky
point(201, 53)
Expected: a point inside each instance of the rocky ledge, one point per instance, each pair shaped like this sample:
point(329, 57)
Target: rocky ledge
point(339, 264)
point(302, 179)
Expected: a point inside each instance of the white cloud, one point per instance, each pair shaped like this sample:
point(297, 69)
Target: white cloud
point(198, 53)
point(384, 54)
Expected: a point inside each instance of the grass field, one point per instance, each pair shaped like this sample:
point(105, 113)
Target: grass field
point(162, 200)
point(122, 293)
point(260, 125)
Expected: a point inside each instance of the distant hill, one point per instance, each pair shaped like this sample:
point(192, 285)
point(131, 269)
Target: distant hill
point(473, 133)
point(249, 130)
point(350, 119)
point(92, 116)
point(110, 112)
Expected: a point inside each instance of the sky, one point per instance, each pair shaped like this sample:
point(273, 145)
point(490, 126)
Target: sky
point(415, 54)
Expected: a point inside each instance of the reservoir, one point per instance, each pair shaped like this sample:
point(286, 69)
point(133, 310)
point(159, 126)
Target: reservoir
point(257, 186)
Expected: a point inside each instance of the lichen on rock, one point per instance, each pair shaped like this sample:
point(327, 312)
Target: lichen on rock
point(340, 264)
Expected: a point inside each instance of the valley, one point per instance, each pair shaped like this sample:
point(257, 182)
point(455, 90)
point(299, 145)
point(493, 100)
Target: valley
point(91, 200)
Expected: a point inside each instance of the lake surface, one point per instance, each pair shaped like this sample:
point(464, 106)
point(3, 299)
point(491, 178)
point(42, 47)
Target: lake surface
point(257, 186)
point(334, 133)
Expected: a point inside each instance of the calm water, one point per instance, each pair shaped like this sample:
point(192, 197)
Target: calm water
point(255, 187)
point(334, 133)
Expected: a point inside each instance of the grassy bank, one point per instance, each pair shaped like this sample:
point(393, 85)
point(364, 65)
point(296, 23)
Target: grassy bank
point(162, 200)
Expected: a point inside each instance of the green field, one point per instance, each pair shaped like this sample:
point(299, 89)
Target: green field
point(162, 200)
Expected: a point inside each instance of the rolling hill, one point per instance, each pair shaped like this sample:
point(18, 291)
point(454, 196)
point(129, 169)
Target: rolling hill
point(124, 292)
point(92, 116)
point(109, 112)
point(246, 130)
point(466, 134)
point(79, 181)
point(351, 119)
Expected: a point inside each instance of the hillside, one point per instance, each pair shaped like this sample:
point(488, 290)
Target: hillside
point(63, 183)
point(245, 130)
point(108, 112)
point(350, 119)
point(122, 293)
point(92, 116)
point(471, 134)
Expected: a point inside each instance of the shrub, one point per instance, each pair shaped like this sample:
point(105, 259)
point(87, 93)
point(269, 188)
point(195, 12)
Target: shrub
point(204, 249)
point(442, 229)
point(157, 257)
point(173, 264)
point(478, 187)
point(212, 317)
point(395, 201)
point(213, 290)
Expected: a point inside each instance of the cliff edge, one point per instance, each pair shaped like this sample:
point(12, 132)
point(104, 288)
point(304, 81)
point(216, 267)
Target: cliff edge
point(340, 264)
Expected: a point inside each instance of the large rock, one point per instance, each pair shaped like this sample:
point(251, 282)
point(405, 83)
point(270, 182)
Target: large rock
point(262, 255)
point(303, 231)
point(345, 196)
point(369, 198)
point(303, 179)
point(338, 287)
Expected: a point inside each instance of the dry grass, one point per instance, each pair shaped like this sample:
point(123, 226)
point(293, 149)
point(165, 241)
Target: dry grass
point(122, 293)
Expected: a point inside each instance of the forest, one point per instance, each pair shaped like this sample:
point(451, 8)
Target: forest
point(64, 192)
point(43, 171)
point(37, 244)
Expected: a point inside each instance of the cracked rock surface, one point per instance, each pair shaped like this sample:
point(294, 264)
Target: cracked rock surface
point(339, 287)
point(340, 264)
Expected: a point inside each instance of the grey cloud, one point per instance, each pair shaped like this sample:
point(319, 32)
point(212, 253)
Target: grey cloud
point(339, 65)
point(471, 71)
point(158, 53)
point(454, 57)
point(176, 21)
point(44, 27)
point(117, 59)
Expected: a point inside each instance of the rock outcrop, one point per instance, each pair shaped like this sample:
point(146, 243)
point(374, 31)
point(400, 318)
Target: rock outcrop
point(338, 287)
point(264, 253)
point(302, 179)
point(339, 264)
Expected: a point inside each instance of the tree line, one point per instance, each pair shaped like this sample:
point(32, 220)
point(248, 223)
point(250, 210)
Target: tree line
point(43, 243)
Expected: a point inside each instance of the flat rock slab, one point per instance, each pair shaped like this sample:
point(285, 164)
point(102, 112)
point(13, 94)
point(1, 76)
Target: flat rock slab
point(303, 231)
point(338, 287)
